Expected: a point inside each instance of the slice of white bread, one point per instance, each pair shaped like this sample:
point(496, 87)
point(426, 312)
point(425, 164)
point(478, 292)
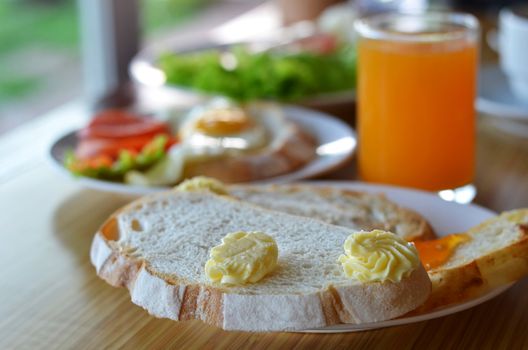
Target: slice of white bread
point(337, 206)
point(158, 246)
point(496, 254)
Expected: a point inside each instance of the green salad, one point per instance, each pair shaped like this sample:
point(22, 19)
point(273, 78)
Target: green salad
point(243, 75)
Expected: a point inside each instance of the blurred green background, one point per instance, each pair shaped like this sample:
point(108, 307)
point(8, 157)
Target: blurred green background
point(37, 37)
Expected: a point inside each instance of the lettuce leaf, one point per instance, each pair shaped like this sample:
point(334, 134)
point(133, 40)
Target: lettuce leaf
point(284, 76)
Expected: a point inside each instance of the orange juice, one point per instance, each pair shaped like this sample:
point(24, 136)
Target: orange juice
point(416, 117)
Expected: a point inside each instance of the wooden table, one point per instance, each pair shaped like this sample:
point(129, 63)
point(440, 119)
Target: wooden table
point(51, 297)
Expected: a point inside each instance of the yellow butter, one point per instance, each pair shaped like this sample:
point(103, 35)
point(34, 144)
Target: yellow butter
point(516, 216)
point(202, 183)
point(378, 256)
point(242, 257)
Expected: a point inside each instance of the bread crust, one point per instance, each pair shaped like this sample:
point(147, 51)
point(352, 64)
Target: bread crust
point(179, 300)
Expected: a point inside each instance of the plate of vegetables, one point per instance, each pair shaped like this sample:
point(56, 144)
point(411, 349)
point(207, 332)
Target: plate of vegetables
point(128, 152)
point(311, 70)
point(113, 143)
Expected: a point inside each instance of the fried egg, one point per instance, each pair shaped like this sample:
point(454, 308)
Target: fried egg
point(222, 128)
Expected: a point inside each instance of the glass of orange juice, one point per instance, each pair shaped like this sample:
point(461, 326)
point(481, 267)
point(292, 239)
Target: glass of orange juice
point(416, 92)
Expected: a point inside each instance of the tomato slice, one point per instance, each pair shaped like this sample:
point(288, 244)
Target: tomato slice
point(114, 130)
point(115, 123)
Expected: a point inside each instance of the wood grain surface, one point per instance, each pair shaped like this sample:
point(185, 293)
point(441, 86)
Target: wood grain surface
point(51, 298)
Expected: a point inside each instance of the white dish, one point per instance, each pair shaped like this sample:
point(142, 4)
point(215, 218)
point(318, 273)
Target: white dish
point(495, 97)
point(336, 143)
point(445, 217)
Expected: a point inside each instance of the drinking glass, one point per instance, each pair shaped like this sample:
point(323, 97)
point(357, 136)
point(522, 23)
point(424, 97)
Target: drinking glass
point(416, 93)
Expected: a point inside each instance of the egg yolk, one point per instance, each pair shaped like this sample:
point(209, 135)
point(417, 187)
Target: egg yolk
point(436, 252)
point(223, 122)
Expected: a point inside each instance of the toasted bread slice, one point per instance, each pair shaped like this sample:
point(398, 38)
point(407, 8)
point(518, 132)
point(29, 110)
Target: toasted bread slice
point(158, 246)
point(342, 207)
point(291, 148)
point(496, 254)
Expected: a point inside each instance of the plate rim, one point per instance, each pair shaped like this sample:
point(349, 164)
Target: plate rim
point(495, 108)
point(290, 111)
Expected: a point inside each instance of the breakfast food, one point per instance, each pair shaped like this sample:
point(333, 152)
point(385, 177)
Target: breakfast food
point(342, 207)
point(198, 252)
point(242, 257)
point(456, 263)
point(377, 256)
point(221, 139)
point(491, 254)
point(336, 206)
point(203, 183)
point(159, 247)
point(116, 142)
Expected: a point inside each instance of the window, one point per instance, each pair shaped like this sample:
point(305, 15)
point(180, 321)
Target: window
point(40, 64)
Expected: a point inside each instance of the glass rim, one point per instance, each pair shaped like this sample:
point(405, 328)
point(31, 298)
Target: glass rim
point(370, 27)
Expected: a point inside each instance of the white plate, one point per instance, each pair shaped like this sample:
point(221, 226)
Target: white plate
point(495, 97)
point(445, 217)
point(336, 143)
